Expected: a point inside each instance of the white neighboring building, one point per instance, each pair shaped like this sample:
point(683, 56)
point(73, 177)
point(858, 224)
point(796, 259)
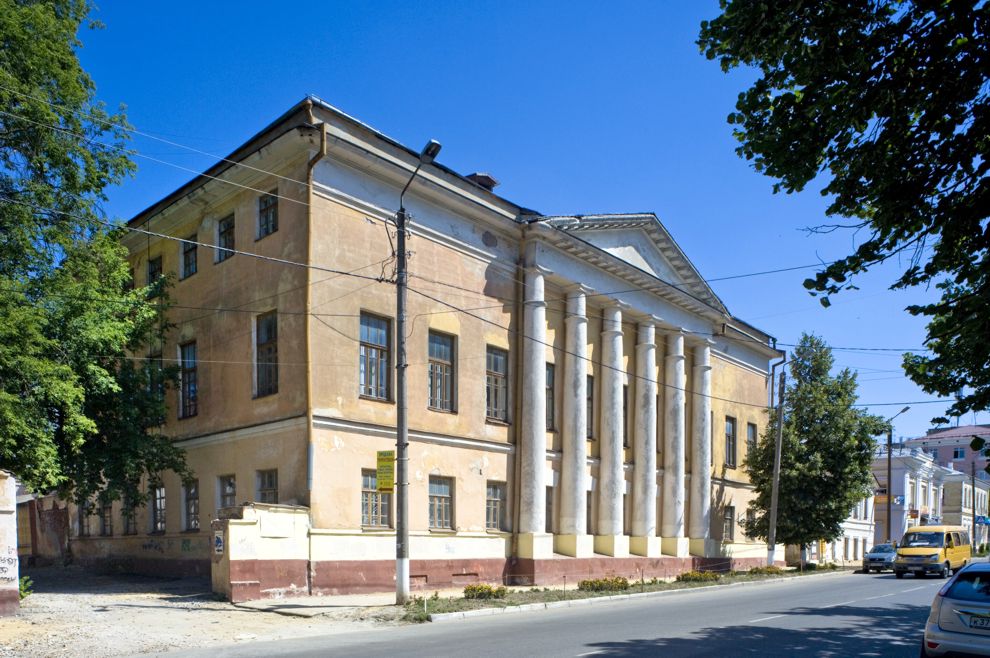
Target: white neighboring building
point(856, 539)
point(917, 489)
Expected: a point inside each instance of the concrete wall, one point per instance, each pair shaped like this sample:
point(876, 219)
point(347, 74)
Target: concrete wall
point(10, 601)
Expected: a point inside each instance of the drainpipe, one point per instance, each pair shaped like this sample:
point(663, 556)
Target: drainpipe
point(311, 450)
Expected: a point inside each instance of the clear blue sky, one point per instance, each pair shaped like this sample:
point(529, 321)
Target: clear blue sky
point(578, 107)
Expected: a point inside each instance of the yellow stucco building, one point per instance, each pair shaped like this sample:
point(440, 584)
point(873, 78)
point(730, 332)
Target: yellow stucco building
point(580, 401)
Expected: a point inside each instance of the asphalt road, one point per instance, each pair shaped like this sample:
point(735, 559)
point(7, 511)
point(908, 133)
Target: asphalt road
point(823, 615)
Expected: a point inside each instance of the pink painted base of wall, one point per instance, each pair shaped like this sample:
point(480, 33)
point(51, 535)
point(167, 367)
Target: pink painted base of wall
point(10, 602)
point(363, 576)
point(561, 570)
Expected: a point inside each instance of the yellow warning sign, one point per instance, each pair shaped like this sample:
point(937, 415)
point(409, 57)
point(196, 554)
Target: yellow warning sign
point(386, 470)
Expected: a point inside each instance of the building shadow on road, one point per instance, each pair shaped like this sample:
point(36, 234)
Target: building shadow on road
point(836, 631)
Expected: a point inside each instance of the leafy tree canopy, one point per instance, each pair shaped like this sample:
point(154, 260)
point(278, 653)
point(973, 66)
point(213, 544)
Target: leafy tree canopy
point(826, 453)
point(888, 102)
point(73, 413)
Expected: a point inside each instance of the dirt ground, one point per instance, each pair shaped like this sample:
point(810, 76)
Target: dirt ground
point(74, 613)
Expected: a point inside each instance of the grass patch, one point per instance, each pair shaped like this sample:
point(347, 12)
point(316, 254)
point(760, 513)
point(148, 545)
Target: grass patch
point(420, 608)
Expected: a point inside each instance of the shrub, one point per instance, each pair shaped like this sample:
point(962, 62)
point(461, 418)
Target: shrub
point(614, 584)
point(25, 584)
point(766, 571)
point(698, 577)
point(485, 591)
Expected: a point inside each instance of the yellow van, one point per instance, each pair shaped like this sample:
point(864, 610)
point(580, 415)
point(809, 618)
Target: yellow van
point(937, 549)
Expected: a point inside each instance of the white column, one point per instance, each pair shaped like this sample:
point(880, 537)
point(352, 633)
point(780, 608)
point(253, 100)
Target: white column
point(610, 539)
point(533, 541)
point(672, 539)
point(644, 526)
point(701, 450)
point(574, 539)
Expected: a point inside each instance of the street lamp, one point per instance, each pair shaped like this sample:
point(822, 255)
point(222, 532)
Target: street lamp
point(890, 493)
point(426, 156)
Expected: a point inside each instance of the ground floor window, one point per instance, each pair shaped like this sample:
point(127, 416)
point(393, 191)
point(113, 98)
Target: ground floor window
point(441, 503)
point(375, 505)
point(729, 524)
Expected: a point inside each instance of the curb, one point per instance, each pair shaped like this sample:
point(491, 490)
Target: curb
point(512, 609)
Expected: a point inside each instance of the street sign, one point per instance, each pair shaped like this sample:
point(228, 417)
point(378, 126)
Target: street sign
point(386, 471)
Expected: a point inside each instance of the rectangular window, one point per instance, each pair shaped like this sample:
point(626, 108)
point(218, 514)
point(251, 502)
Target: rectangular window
point(548, 512)
point(267, 214)
point(495, 515)
point(158, 508)
point(441, 503)
point(189, 386)
point(266, 353)
point(589, 518)
point(551, 420)
point(191, 491)
point(130, 520)
point(106, 519)
point(625, 415)
point(752, 436)
point(729, 524)
point(225, 238)
point(228, 490)
point(958, 453)
point(496, 384)
point(589, 406)
point(85, 512)
point(730, 441)
point(376, 506)
point(441, 372)
point(154, 269)
point(268, 486)
point(374, 361)
point(189, 256)
point(750, 520)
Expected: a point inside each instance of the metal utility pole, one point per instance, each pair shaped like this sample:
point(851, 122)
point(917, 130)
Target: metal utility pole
point(890, 487)
point(426, 156)
point(972, 484)
point(772, 534)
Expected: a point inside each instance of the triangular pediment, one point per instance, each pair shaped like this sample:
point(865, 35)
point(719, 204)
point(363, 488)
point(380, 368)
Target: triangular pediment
point(641, 241)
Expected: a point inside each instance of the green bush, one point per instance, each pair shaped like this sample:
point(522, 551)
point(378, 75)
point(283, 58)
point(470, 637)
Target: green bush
point(698, 577)
point(614, 584)
point(766, 571)
point(25, 584)
point(485, 591)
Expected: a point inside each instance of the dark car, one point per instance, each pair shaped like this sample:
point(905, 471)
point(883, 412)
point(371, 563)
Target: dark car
point(959, 620)
point(879, 557)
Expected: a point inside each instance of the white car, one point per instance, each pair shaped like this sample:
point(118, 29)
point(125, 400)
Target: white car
point(959, 621)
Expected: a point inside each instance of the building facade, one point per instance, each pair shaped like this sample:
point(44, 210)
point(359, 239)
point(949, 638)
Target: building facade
point(966, 505)
point(917, 490)
point(950, 447)
point(580, 402)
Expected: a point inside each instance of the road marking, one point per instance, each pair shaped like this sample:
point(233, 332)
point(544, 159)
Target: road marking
point(590, 653)
point(835, 605)
point(753, 621)
point(881, 596)
point(915, 589)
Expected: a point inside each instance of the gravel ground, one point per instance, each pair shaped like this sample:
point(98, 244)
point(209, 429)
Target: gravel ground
point(74, 613)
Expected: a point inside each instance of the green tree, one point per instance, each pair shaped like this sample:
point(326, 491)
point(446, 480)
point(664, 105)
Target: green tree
point(826, 453)
point(71, 414)
point(887, 103)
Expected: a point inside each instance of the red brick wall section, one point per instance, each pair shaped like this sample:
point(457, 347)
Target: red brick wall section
point(268, 579)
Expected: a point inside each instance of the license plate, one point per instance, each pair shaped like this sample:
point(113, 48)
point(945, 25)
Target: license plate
point(979, 622)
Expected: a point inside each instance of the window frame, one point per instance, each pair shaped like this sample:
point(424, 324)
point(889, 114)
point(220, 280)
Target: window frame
point(752, 437)
point(441, 504)
point(188, 255)
point(222, 495)
point(190, 505)
point(266, 372)
point(625, 415)
point(188, 381)
point(447, 373)
point(158, 510)
point(495, 506)
point(550, 384)
point(155, 270)
point(958, 452)
point(105, 515)
point(266, 488)
point(731, 446)
point(85, 529)
point(496, 385)
point(267, 215)
point(372, 498)
point(368, 387)
point(729, 523)
point(589, 406)
point(226, 238)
